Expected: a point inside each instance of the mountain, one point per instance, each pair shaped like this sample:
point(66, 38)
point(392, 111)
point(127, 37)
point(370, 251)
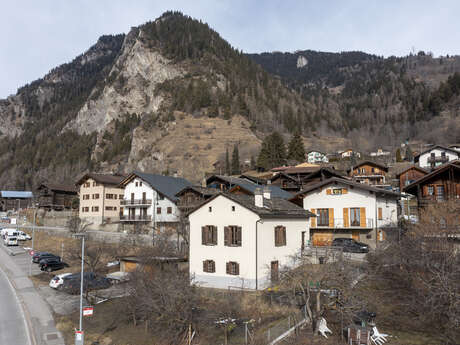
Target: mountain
point(172, 96)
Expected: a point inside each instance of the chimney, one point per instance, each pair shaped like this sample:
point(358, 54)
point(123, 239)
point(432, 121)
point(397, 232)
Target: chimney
point(258, 198)
point(267, 192)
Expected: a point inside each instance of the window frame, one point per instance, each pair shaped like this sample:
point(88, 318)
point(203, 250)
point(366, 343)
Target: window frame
point(232, 268)
point(280, 236)
point(209, 266)
point(320, 214)
point(355, 221)
point(233, 236)
point(209, 235)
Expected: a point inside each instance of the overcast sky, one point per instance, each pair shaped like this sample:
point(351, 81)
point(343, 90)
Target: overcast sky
point(40, 35)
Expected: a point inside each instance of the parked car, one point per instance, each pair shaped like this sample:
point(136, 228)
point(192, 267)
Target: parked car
point(58, 280)
point(350, 245)
point(91, 281)
point(45, 259)
point(22, 236)
point(50, 265)
point(10, 241)
point(8, 232)
point(41, 255)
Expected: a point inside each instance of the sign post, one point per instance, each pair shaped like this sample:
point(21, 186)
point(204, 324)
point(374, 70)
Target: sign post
point(79, 337)
point(88, 311)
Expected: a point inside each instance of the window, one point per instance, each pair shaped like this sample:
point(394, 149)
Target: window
point(96, 196)
point(440, 192)
point(110, 208)
point(87, 184)
point(160, 196)
point(158, 210)
point(323, 217)
point(140, 184)
point(209, 235)
point(85, 209)
point(233, 208)
point(209, 266)
point(95, 209)
point(94, 184)
point(355, 217)
point(380, 215)
point(169, 210)
point(232, 236)
point(233, 268)
point(85, 196)
point(210, 208)
point(430, 190)
point(373, 170)
point(280, 236)
point(137, 184)
point(337, 191)
point(109, 196)
point(121, 196)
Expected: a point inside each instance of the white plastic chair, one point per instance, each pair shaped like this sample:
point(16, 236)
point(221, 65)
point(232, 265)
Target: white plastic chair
point(322, 327)
point(377, 337)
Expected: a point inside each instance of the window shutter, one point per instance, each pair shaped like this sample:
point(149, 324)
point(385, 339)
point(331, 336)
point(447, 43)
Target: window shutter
point(380, 213)
point(346, 222)
point(238, 236)
point(328, 191)
point(214, 234)
point(362, 220)
point(226, 236)
point(237, 268)
point(283, 232)
point(331, 217)
point(344, 190)
point(228, 267)
point(276, 236)
point(213, 266)
point(313, 219)
point(203, 235)
point(205, 266)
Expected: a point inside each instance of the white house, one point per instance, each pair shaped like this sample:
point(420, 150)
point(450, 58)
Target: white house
point(345, 208)
point(379, 153)
point(316, 157)
point(349, 153)
point(436, 156)
point(151, 198)
point(242, 241)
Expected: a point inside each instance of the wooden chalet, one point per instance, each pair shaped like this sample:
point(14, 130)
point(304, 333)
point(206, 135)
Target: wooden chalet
point(440, 185)
point(297, 179)
point(192, 196)
point(225, 183)
point(57, 196)
point(15, 200)
point(369, 172)
point(410, 175)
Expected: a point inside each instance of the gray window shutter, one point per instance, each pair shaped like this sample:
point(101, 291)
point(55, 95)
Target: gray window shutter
point(228, 267)
point(205, 266)
point(283, 232)
point(203, 235)
point(238, 236)
point(226, 236)
point(214, 234)
point(237, 268)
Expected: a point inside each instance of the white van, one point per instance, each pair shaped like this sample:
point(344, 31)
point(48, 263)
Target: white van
point(9, 232)
point(10, 240)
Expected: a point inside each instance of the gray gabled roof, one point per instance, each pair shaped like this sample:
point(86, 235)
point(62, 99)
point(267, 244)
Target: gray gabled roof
point(273, 207)
point(275, 191)
point(167, 185)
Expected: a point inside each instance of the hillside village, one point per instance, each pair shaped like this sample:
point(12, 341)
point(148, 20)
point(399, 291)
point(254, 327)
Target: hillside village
point(247, 231)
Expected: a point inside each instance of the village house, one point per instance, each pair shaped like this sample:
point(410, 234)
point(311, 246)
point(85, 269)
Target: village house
point(151, 199)
point(436, 156)
point(440, 185)
point(316, 157)
point(54, 196)
point(100, 198)
point(192, 196)
point(295, 179)
point(344, 208)
point(349, 153)
point(379, 153)
point(15, 200)
point(242, 241)
point(410, 175)
point(224, 183)
point(370, 173)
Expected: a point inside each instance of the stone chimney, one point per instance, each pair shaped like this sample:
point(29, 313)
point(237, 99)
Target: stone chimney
point(267, 192)
point(258, 198)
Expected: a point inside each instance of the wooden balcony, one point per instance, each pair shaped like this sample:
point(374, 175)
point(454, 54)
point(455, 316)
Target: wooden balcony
point(135, 202)
point(136, 218)
point(340, 224)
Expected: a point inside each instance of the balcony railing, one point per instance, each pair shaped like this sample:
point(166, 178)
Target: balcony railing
point(340, 224)
point(135, 202)
point(435, 159)
point(136, 218)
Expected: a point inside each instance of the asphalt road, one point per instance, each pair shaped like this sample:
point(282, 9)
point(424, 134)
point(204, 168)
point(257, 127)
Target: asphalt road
point(12, 323)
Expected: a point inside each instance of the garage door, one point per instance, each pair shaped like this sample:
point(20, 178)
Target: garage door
point(323, 238)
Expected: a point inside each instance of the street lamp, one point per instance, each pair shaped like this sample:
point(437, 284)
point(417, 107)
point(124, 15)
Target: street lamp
point(33, 237)
point(79, 336)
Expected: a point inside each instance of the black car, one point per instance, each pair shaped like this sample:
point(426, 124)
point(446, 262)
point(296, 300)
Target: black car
point(46, 259)
point(91, 281)
point(50, 265)
point(42, 255)
point(350, 245)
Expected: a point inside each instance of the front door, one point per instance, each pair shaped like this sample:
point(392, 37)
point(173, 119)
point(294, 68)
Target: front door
point(275, 276)
point(355, 235)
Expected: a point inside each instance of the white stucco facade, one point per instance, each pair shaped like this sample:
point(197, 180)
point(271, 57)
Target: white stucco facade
point(339, 199)
point(424, 158)
point(157, 207)
point(257, 250)
point(316, 157)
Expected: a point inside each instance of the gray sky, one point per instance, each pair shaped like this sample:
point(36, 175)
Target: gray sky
point(40, 35)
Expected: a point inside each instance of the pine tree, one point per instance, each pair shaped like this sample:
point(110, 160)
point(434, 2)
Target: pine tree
point(296, 150)
point(273, 152)
point(227, 163)
point(398, 155)
point(235, 161)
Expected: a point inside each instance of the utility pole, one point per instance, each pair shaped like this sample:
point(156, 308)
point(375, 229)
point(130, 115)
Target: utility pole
point(33, 239)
